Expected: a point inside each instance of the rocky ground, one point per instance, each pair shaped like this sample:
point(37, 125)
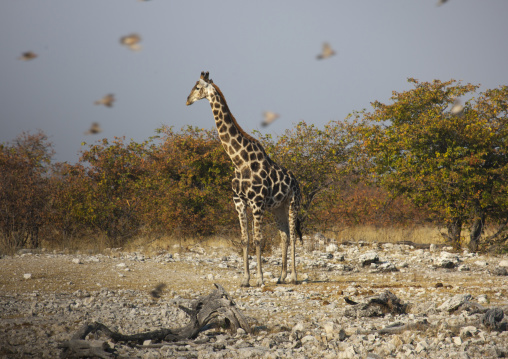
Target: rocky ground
point(46, 296)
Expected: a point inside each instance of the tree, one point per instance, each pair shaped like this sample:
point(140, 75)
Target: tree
point(188, 186)
point(452, 162)
point(112, 174)
point(24, 165)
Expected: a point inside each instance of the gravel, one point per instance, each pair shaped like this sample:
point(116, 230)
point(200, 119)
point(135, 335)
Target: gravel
point(46, 296)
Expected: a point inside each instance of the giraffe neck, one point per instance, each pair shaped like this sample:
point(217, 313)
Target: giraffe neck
point(237, 143)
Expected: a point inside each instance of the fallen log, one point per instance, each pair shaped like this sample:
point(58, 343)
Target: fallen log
point(215, 309)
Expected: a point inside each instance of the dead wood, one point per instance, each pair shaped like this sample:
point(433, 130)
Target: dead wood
point(397, 328)
point(377, 306)
point(492, 319)
point(215, 309)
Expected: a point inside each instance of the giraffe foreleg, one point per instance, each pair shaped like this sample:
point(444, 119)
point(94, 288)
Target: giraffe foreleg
point(258, 218)
point(244, 226)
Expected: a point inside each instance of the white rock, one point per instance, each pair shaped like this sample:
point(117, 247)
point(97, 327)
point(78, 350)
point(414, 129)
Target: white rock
point(299, 327)
point(503, 263)
point(457, 341)
point(387, 267)
point(468, 331)
point(332, 248)
point(447, 260)
point(433, 247)
point(482, 298)
point(283, 289)
point(27, 275)
point(397, 341)
point(349, 352)
point(454, 302)
point(329, 328)
point(421, 346)
point(76, 261)
point(463, 268)
point(481, 263)
point(121, 265)
point(268, 275)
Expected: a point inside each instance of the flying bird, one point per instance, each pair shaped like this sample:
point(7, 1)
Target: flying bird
point(106, 100)
point(326, 52)
point(269, 118)
point(157, 291)
point(131, 41)
point(94, 129)
point(441, 2)
point(457, 107)
point(26, 56)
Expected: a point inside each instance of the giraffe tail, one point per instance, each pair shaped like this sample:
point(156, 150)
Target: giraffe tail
point(299, 230)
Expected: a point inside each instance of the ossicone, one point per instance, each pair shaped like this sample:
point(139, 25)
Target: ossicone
point(204, 77)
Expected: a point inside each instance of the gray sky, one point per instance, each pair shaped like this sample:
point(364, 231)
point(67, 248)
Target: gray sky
point(262, 54)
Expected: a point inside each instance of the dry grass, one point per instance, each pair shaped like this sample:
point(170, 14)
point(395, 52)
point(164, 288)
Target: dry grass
point(149, 244)
point(369, 234)
point(392, 235)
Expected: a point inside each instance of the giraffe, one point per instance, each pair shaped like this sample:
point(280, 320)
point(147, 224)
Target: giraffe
point(259, 183)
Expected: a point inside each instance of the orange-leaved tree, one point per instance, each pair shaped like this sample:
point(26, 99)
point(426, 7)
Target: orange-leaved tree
point(453, 162)
point(24, 165)
point(188, 188)
point(113, 173)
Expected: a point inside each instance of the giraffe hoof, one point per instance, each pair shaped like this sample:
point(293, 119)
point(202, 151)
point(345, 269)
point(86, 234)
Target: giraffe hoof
point(245, 285)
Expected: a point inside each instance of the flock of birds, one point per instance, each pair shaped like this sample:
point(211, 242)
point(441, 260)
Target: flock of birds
point(132, 42)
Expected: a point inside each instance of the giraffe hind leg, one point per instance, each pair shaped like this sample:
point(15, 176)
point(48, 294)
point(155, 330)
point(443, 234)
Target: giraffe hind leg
point(281, 215)
point(284, 248)
point(258, 218)
point(294, 227)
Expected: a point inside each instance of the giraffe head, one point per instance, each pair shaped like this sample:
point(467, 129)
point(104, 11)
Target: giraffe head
point(201, 89)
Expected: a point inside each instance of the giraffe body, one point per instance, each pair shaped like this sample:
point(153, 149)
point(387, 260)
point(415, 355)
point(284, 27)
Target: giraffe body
point(259, 182)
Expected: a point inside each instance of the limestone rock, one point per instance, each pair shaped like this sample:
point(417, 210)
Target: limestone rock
point(454, 302)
